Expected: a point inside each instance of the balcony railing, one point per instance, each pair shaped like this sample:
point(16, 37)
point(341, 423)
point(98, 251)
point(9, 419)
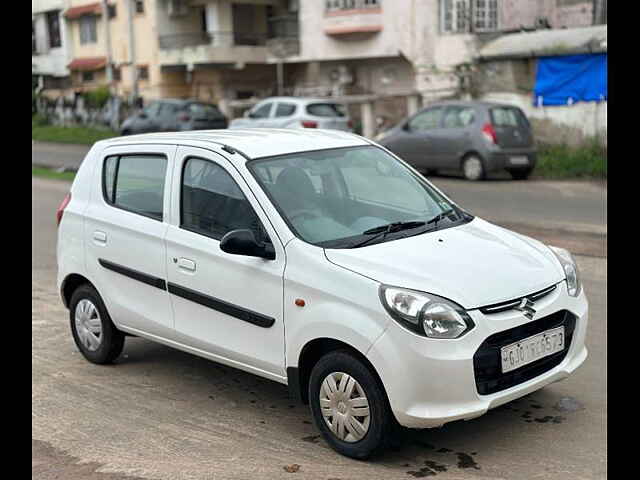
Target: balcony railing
point(220, 39)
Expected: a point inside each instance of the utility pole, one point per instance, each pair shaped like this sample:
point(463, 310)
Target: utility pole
point(132, 51)
point(107, 36)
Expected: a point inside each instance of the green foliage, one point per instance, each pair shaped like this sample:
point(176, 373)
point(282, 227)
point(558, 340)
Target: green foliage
point(562, 161)
point(38, 120)
point(81, 135)
point(49, 173)
point(97, 98)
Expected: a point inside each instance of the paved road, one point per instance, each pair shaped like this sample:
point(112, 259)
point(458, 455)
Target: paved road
point(163, 414)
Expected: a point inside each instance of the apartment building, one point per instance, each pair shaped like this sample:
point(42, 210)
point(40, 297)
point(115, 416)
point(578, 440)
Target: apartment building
point(49, 45)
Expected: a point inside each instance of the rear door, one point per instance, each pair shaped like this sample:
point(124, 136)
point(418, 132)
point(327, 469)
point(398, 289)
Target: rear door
point(512, 128)
point(457, 129)
point(125, 226)
point(229, 306)
point(283, 115)
point(205, 116)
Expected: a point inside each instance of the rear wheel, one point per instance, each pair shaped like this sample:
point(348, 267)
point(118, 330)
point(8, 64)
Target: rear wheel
point(520, 174)
point(473, 168)
point(349, 406)
point(95, 335)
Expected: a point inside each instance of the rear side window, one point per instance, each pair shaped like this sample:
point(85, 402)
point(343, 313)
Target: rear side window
point(458, 117)
point(212, 203)
point(508, 117)
point(325, 110)
point(285, 109)
point(135, 183)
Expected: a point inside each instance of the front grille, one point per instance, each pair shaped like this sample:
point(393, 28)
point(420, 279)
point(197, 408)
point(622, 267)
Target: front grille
point(487, 364)
point(510, 304)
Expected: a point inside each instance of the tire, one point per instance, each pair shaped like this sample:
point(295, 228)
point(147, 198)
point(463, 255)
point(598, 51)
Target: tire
point(521, 174)
point(126, 132)
point(473, 168)
point(95, 335)
point(376, 431)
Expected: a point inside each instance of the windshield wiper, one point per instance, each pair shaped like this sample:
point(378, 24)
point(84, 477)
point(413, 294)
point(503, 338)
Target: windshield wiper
point(384, 230)
point(441, 216)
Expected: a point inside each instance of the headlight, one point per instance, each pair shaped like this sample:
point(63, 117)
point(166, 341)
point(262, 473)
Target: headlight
point(570, 270)
point(425, 314)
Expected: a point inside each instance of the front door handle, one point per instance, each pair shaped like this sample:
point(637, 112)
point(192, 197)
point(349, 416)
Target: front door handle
point(187, 264)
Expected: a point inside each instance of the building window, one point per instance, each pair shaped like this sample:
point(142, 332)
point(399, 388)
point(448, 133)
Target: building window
point(113, 12)
point(116, 74)
point(34, 44)
point(53, 28)
point(139, 6)
point(456, 15)
point(143, 73)
point(87, 77)
point(88, 32)
point(333, 5)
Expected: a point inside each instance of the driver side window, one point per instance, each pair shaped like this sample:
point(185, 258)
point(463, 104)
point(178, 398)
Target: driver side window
point(212, 204)
point(262, 111)
point(427, 120)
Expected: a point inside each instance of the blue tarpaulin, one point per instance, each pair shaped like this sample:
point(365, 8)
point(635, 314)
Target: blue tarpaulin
point(568, 79)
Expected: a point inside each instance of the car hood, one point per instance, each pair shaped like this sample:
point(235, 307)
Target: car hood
point(474, 264)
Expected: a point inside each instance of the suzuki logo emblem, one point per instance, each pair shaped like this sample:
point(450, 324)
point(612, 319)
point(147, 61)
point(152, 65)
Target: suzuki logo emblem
point(526, 307)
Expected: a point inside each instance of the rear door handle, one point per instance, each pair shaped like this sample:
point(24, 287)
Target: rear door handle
point(100, 237)
point(186, 264)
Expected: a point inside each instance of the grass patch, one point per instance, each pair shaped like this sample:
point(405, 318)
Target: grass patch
point(48, 173)
point(562, 161)
point(80, 135)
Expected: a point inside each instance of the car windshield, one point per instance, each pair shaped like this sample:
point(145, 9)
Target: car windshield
point(337, 198)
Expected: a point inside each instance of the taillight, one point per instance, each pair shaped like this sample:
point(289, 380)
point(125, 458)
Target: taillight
point(183, 117)
point(489, 133)
point(309, 124)
point(62, 206)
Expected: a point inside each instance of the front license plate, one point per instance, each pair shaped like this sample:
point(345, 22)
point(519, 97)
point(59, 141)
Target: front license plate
point(531, 349)
point(520, 160)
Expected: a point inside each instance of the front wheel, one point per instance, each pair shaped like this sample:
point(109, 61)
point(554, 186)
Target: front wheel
point(349, 406)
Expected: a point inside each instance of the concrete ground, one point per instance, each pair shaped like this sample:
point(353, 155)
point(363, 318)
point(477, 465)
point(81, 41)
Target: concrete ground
point(162, 414)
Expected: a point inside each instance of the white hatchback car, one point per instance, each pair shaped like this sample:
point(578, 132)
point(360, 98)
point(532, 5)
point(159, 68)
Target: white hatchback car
point(319, 260)
point(295, 112)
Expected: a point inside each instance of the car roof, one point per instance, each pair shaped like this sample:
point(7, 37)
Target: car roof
point(298, 100)
point(467, 103)
point(249, 142)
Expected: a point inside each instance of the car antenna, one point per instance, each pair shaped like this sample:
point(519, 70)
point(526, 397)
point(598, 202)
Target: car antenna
point(228, 149)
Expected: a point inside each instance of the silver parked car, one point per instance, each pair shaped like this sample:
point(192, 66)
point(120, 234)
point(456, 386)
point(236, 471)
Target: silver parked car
point(473, 137)
point(294, 112)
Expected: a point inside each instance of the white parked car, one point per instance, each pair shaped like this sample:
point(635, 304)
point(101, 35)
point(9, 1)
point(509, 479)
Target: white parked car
point(320, 261)
point(295, 112)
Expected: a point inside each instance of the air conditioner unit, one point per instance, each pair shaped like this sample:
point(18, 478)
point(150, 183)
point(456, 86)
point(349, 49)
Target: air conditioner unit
point(177, 8)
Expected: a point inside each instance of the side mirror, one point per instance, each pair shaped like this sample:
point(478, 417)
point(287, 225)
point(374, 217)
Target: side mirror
point(243, 242)
point(405, 127)
point(247, 114)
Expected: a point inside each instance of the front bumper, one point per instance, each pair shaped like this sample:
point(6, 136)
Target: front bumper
point(431, 382)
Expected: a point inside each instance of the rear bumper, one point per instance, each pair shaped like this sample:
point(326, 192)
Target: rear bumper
point(500, 160)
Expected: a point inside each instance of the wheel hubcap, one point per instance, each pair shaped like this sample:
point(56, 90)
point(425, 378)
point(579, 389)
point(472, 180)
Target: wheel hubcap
point(344, 407)
point(473, 168)
point(88, 325)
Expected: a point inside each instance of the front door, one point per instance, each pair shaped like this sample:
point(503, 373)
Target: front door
point(229, 306)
